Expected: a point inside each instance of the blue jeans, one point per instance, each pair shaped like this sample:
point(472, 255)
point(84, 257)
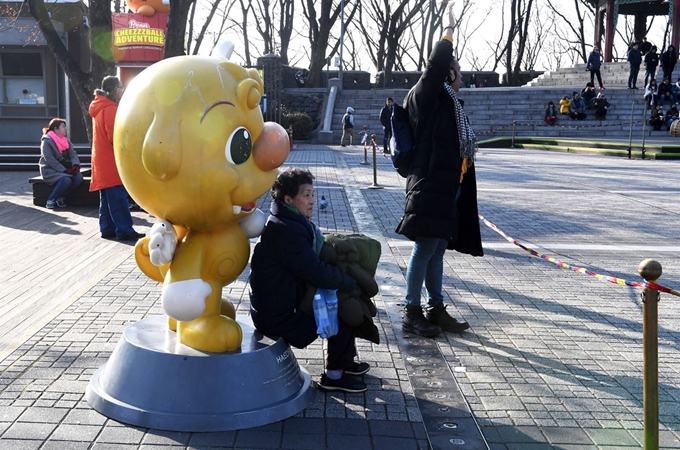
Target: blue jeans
point(386, 140)
point(114, 212)
point(65, 185)
point(650, 74)
point(426, 264)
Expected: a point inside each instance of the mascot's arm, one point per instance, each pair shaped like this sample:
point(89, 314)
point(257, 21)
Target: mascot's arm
point(154, 253)
point(143, 260)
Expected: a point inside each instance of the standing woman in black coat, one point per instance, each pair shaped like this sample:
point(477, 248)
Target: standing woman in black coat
point(668, 61)
point(441, 190)
point(285, 260)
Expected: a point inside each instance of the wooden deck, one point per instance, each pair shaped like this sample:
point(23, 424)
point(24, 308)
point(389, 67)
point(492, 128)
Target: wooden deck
point(48, 258)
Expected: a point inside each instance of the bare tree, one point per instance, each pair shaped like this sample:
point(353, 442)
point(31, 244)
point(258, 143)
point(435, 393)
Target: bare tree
point(286, 24)
point(83, 82)
point(320, 24)
point(517, 37)
point(384, 27)
point(574, 35)
point(177, 26)
point(541, 26)
point(214, 7)
point(263, 24)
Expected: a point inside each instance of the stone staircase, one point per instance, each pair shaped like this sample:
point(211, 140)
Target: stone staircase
point(614, 75)
point(494, 112)
point(26, 157)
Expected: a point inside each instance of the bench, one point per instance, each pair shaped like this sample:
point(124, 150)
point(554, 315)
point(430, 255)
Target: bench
point(80, 197)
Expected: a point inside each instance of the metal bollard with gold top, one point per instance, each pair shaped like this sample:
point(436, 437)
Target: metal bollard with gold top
point(650, 270)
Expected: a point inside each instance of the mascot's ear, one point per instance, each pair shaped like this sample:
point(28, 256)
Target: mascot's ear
point(250, 92)
point(162, 149)
point(250, 89)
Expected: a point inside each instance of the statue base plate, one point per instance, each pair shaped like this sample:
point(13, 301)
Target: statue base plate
point(153, 381)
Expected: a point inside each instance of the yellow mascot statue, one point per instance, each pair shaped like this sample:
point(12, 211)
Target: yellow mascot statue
point(193, 150)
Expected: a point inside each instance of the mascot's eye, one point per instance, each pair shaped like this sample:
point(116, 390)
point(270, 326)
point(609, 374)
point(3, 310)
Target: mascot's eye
point(239, 146)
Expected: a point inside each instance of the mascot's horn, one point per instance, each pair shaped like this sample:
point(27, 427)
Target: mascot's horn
point(223, 48)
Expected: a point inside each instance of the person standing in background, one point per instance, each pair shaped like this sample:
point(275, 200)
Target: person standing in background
point(634, 60)
point(651, 63)
point(115, 221)
point(668, 61)
point(386, 121)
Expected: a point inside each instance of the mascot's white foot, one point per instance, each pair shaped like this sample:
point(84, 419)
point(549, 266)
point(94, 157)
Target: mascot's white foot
point(162, 243)
point(185, 300)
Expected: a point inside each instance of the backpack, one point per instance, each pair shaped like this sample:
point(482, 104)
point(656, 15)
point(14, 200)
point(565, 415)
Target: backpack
point(346, 122)
point(403, 140)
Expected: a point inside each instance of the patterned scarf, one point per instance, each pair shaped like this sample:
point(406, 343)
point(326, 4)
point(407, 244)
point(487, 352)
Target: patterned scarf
point(467, 138)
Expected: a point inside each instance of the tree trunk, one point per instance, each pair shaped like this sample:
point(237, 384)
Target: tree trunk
point(177, 27)
point(82, 83)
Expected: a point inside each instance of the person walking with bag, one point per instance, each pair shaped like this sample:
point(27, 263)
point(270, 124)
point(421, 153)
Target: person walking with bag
point(440, 212)
point(594, 64)
point(348, 126)
point(285, 259)
point(115, 221)
point(59, 163)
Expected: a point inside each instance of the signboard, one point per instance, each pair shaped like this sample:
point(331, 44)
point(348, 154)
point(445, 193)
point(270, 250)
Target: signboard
point(137, 38)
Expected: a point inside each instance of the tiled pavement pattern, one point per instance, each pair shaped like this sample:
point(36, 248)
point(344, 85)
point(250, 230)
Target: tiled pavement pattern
point(553, 358)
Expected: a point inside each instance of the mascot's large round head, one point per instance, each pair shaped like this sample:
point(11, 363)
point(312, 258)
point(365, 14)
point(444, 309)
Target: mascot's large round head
point(191, 145)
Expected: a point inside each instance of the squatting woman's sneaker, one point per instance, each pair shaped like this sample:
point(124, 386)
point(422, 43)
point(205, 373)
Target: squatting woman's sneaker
point(346, 383)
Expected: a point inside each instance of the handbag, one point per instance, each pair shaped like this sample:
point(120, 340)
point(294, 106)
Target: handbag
point(325, 307)
point(65, 160)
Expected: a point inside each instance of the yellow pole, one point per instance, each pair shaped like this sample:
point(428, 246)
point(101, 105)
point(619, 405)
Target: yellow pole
point(650, 270)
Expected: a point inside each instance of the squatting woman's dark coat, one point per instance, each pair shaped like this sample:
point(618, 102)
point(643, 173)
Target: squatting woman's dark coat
point(283, 262)
point(437, 206)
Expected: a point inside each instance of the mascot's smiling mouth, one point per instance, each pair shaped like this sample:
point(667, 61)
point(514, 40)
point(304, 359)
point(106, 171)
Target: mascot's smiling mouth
point(245, 208)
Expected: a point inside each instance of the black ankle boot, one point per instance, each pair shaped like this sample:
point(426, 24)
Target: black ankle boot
point(437, 315)
point(416, 323)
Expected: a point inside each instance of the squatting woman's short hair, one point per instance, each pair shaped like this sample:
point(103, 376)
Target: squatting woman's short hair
point(289, 181)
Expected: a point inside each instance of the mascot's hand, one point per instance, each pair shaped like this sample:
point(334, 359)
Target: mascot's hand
point(162, 243)
point(253, 224)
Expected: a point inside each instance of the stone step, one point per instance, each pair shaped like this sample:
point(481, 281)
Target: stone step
point(492, 111)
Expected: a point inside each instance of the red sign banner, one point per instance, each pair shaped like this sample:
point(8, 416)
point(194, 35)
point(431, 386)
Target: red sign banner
point(137, 38)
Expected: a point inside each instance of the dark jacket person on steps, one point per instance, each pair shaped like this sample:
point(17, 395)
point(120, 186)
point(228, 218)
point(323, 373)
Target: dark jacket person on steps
point(441, 191)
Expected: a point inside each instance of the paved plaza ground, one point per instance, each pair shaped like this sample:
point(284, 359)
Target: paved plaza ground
point(553, 358)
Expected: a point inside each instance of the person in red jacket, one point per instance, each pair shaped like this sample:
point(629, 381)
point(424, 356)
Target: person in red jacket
point(115, 221)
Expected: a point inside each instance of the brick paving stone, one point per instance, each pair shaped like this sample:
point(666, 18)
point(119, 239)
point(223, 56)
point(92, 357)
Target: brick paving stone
point(19, 444)
point(344, 442)
point(120, 435)
point(25, 430)
point(167, 438)
point(80, 433)
point(257, 438)
point(609, 437)
point(307, 441)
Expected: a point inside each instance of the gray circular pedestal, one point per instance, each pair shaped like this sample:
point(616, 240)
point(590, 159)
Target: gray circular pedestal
point(153, 381)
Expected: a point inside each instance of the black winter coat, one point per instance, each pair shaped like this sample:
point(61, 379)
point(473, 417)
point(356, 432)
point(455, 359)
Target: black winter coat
point(651, 61)
point(386, 118)
point(437, 205)
point(283, 263)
